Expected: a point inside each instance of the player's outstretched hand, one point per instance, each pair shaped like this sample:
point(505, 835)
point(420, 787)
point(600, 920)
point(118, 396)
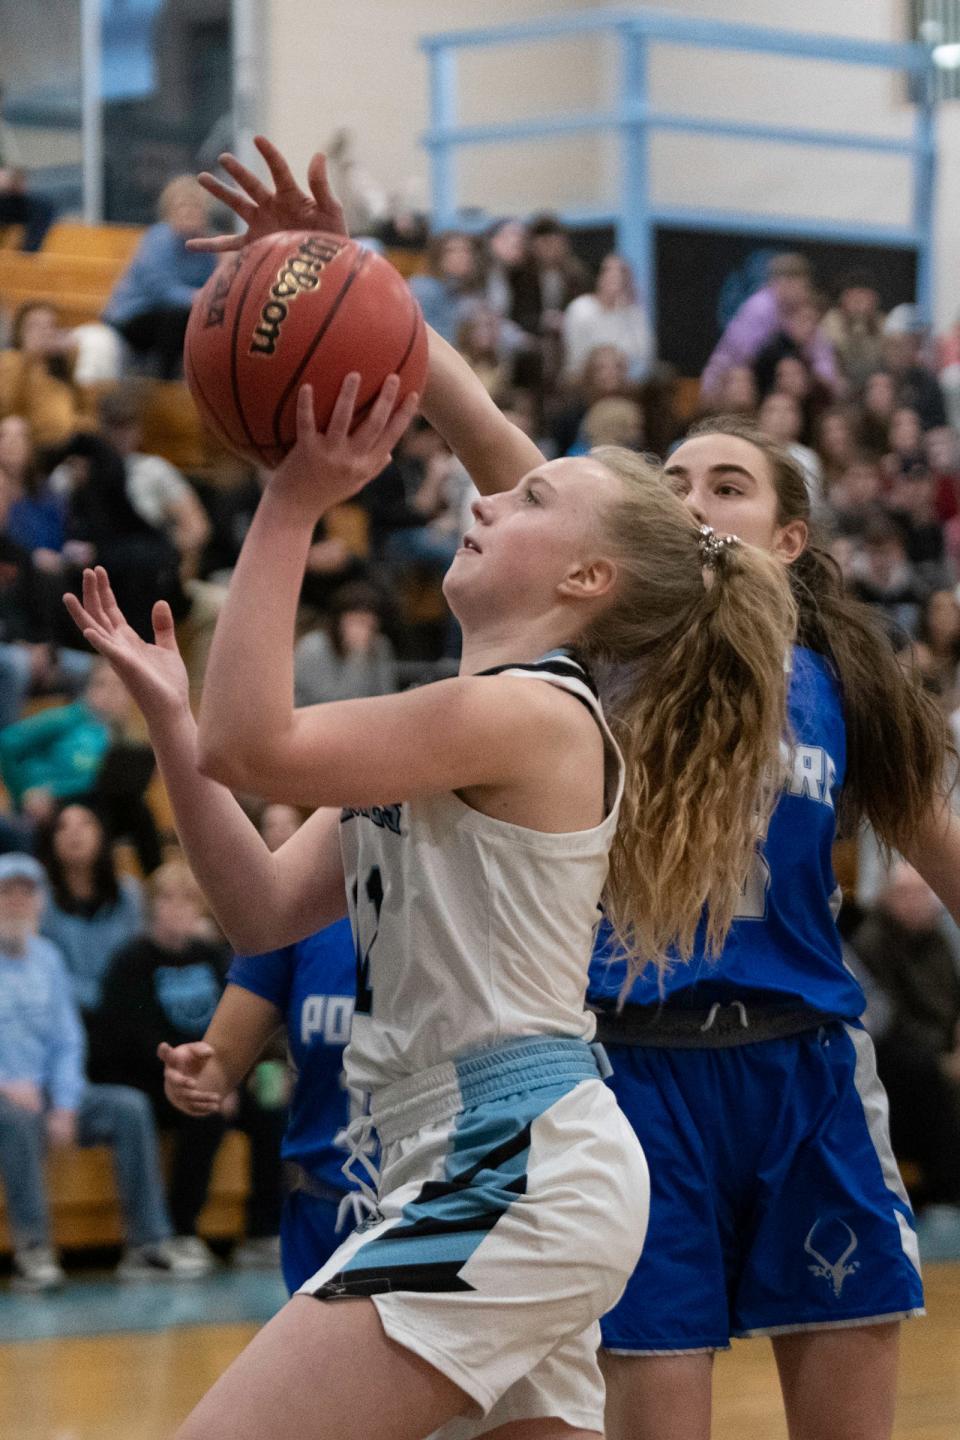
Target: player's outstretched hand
point(192, 1078)
point(327, 467)
point(155, 675)
point(266, 211)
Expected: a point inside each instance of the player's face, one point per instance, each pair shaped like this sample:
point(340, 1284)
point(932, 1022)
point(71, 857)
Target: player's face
point(529, 548)
point(726, 482)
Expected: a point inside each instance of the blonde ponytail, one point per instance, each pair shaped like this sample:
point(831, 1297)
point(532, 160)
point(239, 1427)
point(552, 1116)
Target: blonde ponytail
point(693, 656)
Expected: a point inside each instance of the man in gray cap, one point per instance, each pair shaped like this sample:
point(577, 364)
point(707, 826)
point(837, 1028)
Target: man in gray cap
point(45, 1100)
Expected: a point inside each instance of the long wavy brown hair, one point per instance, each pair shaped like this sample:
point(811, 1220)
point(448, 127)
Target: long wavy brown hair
point(692, 665)
point(899, 754)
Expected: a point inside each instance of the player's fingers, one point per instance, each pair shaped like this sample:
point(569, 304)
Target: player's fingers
point(320, 188)
point(105, 645)
point(370, 432)
point(400, 420)
point(108, 600)
point(226, 194)
point(280, 171)
point(93, 601)
point(306, 415)
point(217, 244)
point(94, 634)
point(340, 420)
point(246, 179)
point(164, 633)
point(78, 614)
point(317, 177)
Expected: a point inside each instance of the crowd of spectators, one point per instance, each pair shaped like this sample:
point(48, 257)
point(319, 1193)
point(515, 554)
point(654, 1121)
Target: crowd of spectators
point(869, 404)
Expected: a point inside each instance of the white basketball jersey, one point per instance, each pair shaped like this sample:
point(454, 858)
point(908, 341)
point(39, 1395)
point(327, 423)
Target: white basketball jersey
point(471, 931)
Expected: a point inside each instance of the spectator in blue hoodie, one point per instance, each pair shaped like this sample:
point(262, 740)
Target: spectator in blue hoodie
point(45, 1100)
point(150, 304)
point(58, 754)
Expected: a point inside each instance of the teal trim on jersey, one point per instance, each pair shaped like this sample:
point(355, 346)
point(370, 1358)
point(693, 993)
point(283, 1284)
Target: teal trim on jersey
point(484, 1173)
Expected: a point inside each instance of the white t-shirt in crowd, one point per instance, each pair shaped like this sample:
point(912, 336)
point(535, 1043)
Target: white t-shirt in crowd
point(587, 324)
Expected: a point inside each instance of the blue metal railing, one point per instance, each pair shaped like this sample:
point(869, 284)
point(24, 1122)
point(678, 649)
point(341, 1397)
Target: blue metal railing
point(634, 120)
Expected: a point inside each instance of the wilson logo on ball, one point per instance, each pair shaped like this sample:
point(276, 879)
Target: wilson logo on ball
point(300, 272)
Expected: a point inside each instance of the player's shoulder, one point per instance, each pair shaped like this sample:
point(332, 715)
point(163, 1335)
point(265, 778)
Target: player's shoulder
point(543, 689)
point(560, 669)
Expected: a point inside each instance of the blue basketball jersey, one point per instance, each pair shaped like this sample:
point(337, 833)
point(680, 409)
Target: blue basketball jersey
point(783, 947)
point(313, 984)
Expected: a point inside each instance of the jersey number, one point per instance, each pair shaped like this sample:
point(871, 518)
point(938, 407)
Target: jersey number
point(373, 890)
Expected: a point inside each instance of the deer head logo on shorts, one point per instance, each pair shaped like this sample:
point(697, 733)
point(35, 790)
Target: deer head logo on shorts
point(835, 1271)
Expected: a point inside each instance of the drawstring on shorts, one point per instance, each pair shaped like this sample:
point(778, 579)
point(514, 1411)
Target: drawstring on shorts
point(715, 1009)
point(359, 1139)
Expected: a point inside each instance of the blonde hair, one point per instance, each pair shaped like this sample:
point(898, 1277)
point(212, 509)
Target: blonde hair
point(693, 664)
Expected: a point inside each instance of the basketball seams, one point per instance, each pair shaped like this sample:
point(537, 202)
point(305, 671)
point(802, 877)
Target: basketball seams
point(367, 405)
point(293, 384)
point(208, 413)
point(249, 387)
point(268, 259)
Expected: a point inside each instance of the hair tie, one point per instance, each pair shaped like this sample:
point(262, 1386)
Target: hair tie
point(713, 547)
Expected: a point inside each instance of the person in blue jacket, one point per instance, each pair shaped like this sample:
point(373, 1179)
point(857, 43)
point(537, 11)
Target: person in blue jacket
point(150, 303)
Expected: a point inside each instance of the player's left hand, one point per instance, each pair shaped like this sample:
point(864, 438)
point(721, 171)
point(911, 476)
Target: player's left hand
point(266, 211)
point(326, 467)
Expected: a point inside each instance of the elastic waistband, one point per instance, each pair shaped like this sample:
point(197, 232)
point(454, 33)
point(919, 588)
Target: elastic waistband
point(713, 1028)
point(435, 1095)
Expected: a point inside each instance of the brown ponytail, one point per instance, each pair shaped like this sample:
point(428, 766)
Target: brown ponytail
point(897, 737)
point(696, 685)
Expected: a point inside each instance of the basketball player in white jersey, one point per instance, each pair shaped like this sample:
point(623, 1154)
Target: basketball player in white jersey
point(471, 829)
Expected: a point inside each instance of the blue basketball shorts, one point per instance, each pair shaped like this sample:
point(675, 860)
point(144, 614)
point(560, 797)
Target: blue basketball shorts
point(308, 1236)
point(511, 1209)
point(775, 1202)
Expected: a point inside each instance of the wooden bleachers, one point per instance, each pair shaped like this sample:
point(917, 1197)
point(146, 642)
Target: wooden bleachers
point(83, 1197)
point(78, 265)
point(11, 236)
point(75, 270)
point(97, 242)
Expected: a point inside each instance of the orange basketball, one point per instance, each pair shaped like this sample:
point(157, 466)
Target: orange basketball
point(297, 308)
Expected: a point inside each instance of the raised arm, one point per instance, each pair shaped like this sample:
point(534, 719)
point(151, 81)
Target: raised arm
point(493, 450)
point(261, 900)
point(447, 736)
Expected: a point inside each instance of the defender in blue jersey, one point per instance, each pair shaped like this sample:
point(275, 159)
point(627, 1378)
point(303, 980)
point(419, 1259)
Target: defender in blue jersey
point(312, 987)
point(776, 1204)
point(309, 989)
